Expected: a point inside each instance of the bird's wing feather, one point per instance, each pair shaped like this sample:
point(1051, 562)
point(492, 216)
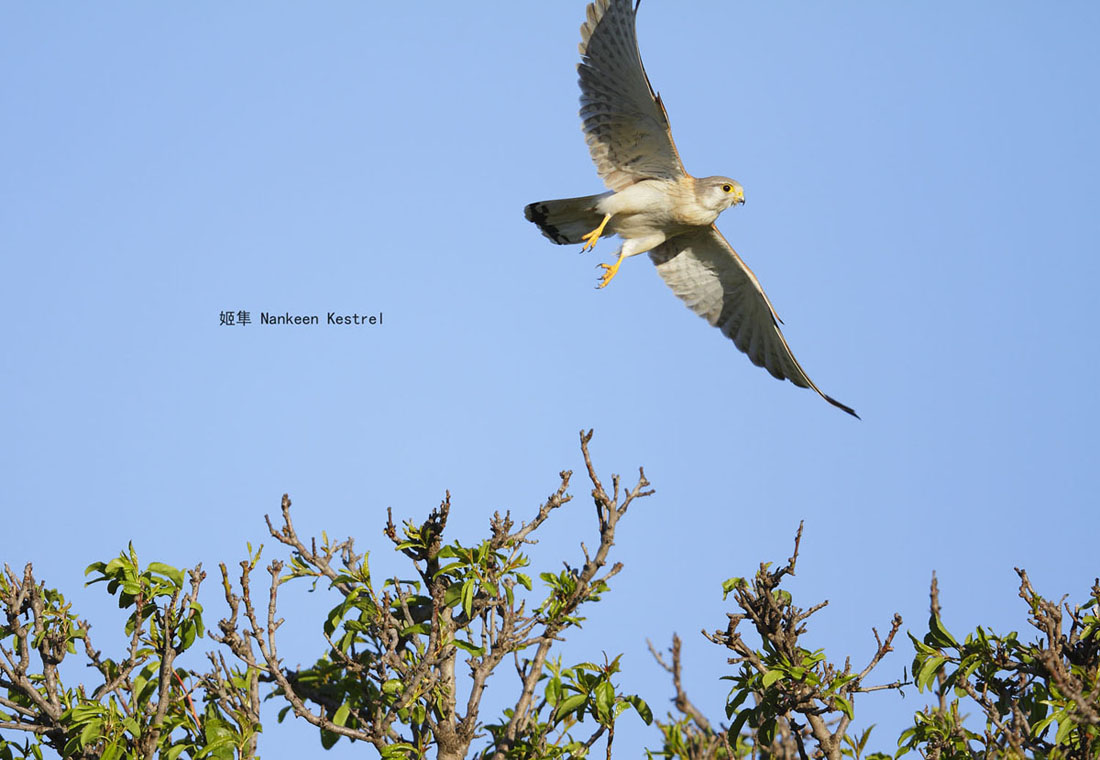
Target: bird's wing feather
point(708, 275)
point(625, 123)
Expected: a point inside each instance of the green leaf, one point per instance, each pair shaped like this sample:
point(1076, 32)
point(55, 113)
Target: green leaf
point(95, 567)
point(739, 721)
point(216, 729)
point(553, 691)
point(641, 708)
point(938, 636)
point(1040, 726)
point(174, 575)
point(1065, 726)
point(468, 647)
point(771, 677)
point(733, 704)
point(453, 594)
point(766, 732)
point(967, 667)
point(90, 733)
point(928, 672)
point(605, 698)
point(187, 636)
point(920, 646)
point(468, 589)
point(335, 615)
point(729, 585)
point(845, 706)
point(341, 716)
point(568, 705)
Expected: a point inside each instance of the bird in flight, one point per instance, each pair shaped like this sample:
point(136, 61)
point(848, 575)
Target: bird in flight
point(654, 205)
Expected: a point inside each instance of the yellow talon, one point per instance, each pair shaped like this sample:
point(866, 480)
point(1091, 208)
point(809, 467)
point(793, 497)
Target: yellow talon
point(610, 270)
point(592, 237)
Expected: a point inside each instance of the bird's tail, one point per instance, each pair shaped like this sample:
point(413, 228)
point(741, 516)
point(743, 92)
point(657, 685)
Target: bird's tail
point(566, 220)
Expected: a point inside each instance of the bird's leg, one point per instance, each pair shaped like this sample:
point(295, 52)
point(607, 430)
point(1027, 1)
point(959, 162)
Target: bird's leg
point(592, 237)
point(610, 270)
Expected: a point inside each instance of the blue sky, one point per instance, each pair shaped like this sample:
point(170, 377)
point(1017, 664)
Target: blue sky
point(921, 208)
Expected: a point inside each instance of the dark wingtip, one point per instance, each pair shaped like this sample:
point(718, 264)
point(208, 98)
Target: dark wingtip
point(839, 405)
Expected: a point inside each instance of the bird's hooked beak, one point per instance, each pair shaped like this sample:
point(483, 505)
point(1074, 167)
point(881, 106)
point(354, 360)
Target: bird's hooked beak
point(738, 197)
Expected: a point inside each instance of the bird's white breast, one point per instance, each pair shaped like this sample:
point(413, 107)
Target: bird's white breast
point(653, 205)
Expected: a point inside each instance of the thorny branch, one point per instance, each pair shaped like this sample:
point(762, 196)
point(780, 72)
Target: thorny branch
point(41, 624)
point(608, 513)
point(411, 637)
point(1023, 689)
point(683, 704)
point(21, 595)
point(780, 626)
point(1060, 648)
point(701, 739)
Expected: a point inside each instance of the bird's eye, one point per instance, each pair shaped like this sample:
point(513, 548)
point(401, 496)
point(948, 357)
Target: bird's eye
point(727, 188)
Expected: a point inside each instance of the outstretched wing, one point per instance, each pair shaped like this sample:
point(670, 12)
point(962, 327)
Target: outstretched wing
point(704, 271)
point(625, 123)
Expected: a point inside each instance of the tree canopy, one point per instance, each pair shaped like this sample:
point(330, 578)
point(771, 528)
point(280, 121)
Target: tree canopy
point(403, 663)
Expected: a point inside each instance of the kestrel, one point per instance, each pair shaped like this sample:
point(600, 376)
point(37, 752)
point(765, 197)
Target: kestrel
point(654, 205)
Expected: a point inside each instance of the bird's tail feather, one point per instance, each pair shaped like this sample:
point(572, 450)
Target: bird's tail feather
point(566, 220)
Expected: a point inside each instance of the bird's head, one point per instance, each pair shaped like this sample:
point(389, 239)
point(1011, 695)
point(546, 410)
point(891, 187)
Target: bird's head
point(719, 193)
